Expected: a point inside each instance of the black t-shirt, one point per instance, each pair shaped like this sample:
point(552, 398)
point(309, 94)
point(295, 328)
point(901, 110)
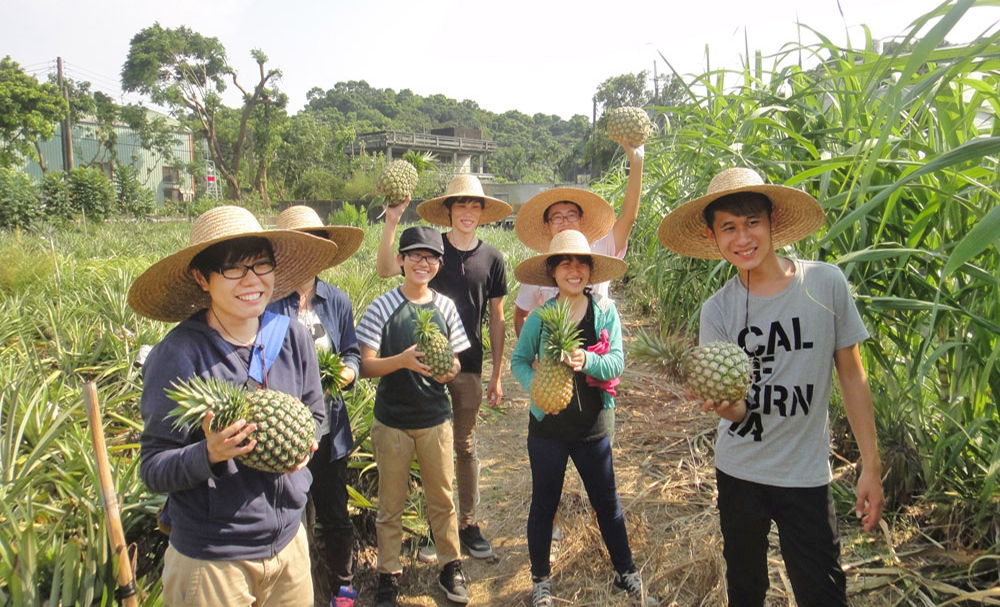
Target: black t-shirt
point(584, 418)
point(471, 279)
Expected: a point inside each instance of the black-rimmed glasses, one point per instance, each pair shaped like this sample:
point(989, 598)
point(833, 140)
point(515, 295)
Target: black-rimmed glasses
point(238, 271)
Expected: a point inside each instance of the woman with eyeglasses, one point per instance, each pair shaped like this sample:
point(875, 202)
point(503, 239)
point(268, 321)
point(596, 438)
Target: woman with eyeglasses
point(236, 536)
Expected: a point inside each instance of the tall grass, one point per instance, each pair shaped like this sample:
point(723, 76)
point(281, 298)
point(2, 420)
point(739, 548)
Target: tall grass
point(901, 151)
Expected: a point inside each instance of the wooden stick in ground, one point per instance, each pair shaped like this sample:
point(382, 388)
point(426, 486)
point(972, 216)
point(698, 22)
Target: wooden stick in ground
point(126, 593)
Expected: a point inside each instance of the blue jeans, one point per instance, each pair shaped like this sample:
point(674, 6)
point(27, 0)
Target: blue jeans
point(593, 460)
point(807, 534)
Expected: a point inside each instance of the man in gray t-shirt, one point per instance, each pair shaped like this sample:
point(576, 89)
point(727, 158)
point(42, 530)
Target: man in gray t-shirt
point(797, 321)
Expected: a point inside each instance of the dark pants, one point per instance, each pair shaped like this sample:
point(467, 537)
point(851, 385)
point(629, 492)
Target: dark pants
point(329, 493)
point(548, 468)
point(807, 533)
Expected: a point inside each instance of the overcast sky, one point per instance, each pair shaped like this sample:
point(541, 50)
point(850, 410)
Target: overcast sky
point(532, 56)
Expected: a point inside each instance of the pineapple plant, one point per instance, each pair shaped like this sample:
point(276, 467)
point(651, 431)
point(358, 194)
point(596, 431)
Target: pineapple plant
point(396, 182)
point(438, 354)
point(330, 367)
point(285, 430)
point(552, 385)
point(719, 371)
point(631, 123)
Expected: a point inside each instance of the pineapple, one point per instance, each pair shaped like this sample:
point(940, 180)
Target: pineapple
point(552, 386)
point(396, 182)
point(330, 367)
point(438, 354)
point(285, 430)
point(719, 371)
point(630, 123)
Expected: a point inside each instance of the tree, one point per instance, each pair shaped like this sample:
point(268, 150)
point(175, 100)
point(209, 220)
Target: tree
point(29, 111)
point(623, 91)
point(186, 71)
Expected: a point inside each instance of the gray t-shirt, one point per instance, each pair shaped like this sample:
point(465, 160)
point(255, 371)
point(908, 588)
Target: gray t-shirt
point(791, 338)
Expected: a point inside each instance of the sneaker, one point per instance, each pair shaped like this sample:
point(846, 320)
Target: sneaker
point(345, 597)
point(426, 552)
point(387, 591)
point(631, 583)
point(473, 541)
point(541, 592)
point(452, 581)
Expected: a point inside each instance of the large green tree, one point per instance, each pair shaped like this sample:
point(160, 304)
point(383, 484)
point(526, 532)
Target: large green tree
point(29, 111)
point(188, 72)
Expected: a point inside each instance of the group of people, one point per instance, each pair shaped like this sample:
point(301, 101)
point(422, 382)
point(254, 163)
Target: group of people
point(236, 536)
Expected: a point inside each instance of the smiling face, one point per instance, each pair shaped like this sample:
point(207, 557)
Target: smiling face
point(563, 216)
point(238, 301)
point(572, 274)
point(419, 266)
point(465, 215)
point(743, 240)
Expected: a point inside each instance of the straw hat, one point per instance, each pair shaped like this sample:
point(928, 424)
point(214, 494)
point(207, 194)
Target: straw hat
point(796, 213)
point(167, 291)
point(569, 242)
point(598, 216)
point(305, 219)
point(463, 186)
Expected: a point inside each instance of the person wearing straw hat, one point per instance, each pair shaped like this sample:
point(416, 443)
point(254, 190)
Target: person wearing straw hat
point(797, 321)
point(579, 431)
point(236, 534)
point(326, 311)
point(412, 413)
point(474, 277)
point(545, 215)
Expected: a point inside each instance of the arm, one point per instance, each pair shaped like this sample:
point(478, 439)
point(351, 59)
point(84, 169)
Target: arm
point(373, 366)
point(526, 351)
point(630, 205)
point(861, 415)
point(498, 331)
point(385, 263)
point(519, 318)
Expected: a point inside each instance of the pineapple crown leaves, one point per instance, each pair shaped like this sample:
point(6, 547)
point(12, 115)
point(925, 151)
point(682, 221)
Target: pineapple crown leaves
point(331, 366)
point(424, 325)
point(561, 334)
point(665, 351)
point(197, 396)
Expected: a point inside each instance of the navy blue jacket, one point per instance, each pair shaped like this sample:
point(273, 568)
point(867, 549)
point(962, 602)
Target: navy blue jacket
point(334, 310)
point(227, 511)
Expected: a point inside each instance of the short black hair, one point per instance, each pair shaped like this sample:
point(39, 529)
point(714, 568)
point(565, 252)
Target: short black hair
point(228, 252)
point(553, 262)
point(545, 215)
point(741, 204)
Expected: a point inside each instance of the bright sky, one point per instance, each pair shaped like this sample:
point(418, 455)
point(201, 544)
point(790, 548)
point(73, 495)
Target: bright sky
point(532, 56)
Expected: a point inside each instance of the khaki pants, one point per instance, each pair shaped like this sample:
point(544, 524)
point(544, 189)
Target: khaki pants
point(394, 450)
point(283, 580)
point(466, 396)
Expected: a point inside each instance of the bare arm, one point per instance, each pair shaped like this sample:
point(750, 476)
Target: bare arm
point(385, 263)
point(861, 415)
point(498, 330)
point(519, 316)
point(630, 205)
point(373, 366)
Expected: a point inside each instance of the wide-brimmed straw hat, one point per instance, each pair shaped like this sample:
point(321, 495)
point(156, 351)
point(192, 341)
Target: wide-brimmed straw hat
point(463, 186)
point(167, 291)
point(796, 214)
point(532, 271)
point(597, 220)
point(305, 219)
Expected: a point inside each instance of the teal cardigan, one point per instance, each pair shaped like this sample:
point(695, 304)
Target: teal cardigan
point(600, 367)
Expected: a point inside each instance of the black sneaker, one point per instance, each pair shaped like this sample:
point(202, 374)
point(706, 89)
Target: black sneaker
point(473, 541)
point(452, 581)
point(631, 583)
point(387, 591)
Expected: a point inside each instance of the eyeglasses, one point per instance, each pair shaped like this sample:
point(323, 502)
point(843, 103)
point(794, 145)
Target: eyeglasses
point(415, 258)
point(561, 218)
point(238, 271)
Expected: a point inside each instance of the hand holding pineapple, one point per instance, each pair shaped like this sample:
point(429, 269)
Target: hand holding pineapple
point(229, 442)
point(734, 411)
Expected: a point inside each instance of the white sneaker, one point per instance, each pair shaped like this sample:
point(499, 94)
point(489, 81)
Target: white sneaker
point(541, 592)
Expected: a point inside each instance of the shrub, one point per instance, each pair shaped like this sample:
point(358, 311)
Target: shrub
point(349, 215)
point(134, 200)
point(91, 192)
point(20, 199)
point(55, 196)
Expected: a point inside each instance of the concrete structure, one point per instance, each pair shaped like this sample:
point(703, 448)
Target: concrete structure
point(465, 149)
point(165, 177)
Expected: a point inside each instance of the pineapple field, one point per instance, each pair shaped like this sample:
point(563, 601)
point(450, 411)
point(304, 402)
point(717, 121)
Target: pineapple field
point(900, 146)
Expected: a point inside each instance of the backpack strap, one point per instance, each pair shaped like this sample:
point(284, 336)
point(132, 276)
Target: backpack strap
point(270, 338)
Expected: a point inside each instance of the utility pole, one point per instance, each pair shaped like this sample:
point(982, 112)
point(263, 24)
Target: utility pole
point(656, 84)
point(67, 127)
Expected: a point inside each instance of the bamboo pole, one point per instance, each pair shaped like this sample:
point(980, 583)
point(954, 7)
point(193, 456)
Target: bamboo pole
point(126, 593)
